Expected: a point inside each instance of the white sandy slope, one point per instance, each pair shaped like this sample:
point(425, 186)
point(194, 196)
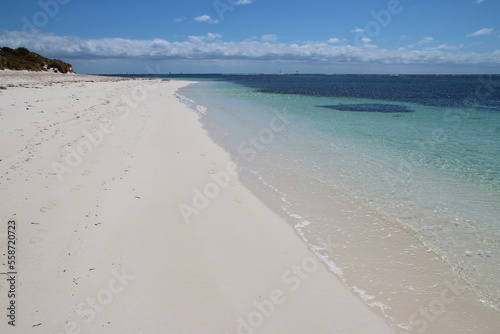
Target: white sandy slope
point(104, 248)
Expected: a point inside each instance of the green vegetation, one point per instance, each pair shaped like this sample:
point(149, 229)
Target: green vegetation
point(24, 59)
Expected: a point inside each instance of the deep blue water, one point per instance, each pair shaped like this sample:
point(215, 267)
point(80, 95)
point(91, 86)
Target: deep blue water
point(439, 91)
point(481, 91)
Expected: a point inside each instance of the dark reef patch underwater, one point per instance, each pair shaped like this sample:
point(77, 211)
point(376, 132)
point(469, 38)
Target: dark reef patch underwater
point(376, 107)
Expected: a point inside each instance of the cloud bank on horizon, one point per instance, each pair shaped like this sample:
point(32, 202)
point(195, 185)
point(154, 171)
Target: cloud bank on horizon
point(224, 38)
point(212, 47)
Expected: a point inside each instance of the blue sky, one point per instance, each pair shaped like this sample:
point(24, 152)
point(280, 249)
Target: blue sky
point(259, 36)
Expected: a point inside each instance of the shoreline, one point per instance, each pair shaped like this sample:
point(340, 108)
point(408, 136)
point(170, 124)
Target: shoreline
point(383, 261)
point(105, 248)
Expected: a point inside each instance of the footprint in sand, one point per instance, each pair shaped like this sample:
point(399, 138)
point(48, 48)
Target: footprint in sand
point(78, 187)
point(40, 238)
point(48, 207)
point(86, 173)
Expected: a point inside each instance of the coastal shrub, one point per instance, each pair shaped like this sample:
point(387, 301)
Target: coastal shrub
point(6, 50)
point(23, 59)
point(22, 51)
point(60, 65)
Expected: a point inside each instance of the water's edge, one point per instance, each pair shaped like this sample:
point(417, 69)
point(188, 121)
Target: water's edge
point(371, 257)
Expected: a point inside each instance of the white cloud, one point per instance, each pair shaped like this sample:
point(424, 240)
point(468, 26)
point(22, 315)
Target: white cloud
point(212, 36)
point(366, 40)
point(356, 30)
point(202, 18)
point(269, 38)
point(212, 47)
point(479, 1)
point(179, 19)
point(334, 40)
point(243, 2)
point(196, 39)
point(446, 47)
point(199, 39)
point(205, 18)
point(484, 31)
point(424, 41)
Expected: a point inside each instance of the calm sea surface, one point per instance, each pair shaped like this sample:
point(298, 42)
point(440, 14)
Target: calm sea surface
point(423, 151)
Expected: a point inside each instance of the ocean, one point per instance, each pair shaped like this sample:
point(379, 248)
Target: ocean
point(379, 175)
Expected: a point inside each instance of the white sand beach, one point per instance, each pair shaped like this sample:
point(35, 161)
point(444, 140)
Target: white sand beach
point(94, 171)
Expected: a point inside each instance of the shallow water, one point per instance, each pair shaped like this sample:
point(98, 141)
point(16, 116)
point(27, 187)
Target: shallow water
point(433, 173)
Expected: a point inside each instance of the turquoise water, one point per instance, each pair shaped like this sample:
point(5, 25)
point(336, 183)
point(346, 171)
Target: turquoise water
point(434, 170)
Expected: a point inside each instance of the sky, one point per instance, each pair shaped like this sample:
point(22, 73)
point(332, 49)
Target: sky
point(259, 36)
